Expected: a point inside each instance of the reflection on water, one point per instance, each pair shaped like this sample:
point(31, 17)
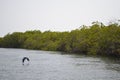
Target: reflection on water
point(47, 65)
point(112, 63)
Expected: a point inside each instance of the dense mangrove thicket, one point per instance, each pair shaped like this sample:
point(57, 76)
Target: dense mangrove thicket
point(95, 39)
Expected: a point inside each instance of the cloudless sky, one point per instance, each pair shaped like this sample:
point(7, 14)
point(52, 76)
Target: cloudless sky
point(54, 15)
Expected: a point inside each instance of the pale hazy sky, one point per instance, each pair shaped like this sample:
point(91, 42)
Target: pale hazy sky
point(54, 15)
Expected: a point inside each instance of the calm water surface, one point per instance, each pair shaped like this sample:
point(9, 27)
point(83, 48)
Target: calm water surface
point(47, 65)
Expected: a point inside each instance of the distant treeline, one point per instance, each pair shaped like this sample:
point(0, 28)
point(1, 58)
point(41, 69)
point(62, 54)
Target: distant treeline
point(97, 39)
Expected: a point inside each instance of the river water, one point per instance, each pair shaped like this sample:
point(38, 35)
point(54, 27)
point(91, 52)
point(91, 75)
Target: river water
point(48, 65)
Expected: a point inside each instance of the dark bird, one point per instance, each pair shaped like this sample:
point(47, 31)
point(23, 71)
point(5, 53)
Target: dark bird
point(25, 58)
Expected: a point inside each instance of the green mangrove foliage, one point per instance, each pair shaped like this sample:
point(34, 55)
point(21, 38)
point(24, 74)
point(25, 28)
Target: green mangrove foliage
point(95, 39)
